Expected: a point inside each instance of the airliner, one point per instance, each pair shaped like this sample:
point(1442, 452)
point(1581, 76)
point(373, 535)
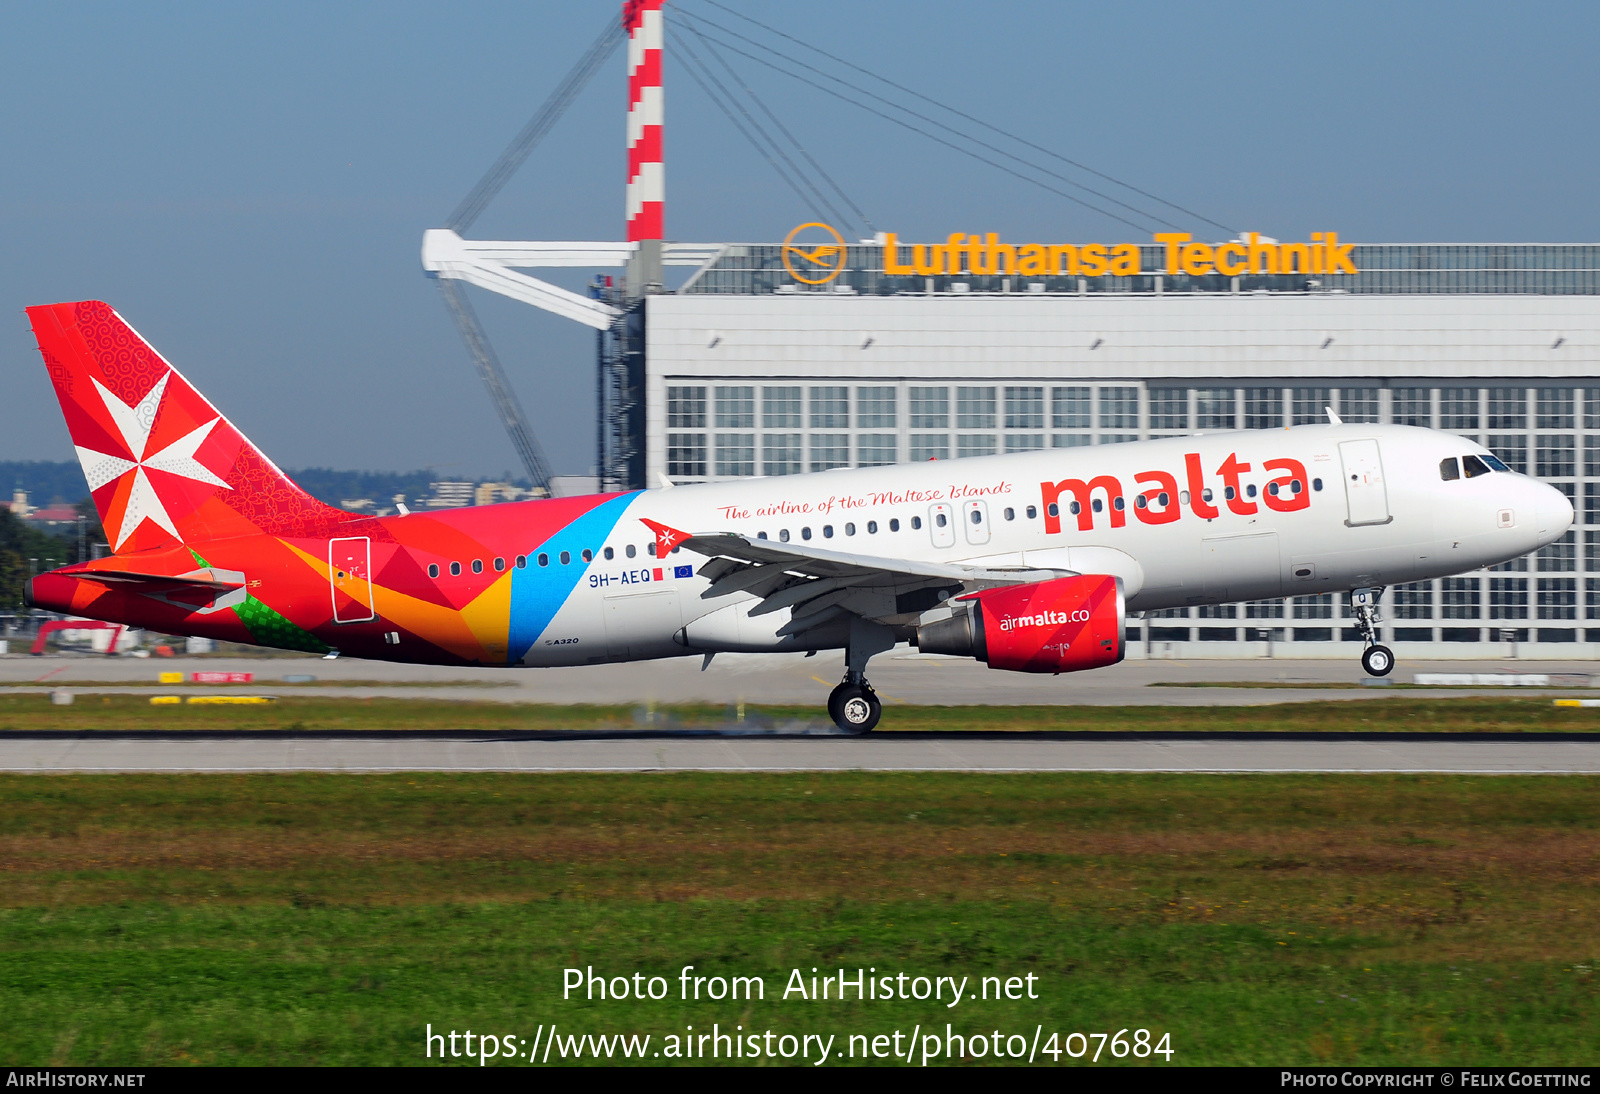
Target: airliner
point(1029, 562)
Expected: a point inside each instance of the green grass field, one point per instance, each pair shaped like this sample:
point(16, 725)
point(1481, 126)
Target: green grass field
point(1408, 714)
point(1265, 920)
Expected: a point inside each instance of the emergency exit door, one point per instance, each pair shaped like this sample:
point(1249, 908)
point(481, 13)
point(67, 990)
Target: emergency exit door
point(1364, 489)
point(350, 575)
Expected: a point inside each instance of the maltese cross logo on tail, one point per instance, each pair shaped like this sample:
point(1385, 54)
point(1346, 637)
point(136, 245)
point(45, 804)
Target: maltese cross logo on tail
point(136, 498)
point(666, 538)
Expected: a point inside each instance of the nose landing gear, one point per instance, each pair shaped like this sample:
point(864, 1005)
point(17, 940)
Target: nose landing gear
point(1377, 660)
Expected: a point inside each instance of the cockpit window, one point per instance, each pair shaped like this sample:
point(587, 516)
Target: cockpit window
point(1495, 463)
point(1475, 466)
point(1449, 469)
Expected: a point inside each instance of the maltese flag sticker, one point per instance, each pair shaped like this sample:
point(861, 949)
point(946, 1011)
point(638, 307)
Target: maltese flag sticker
point(667, 539)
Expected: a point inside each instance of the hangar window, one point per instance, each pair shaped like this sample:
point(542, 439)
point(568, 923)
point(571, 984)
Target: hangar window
point(455, 569)
point(630, 550)
point(566, 557)
point(872, 527)
point(780, 408)
point(1474, 466)
point(522, 562)
point(735, 408)
point(1032, 512)
point(544, 560)
point(930, 407)
point(975, 408)
point(686, 408)
point(433, 569)
point(894, 524)
point(1449, 469)
point(830, 408)
point(611, 554)
point(588, 555)
point(499, 564)
point(875, 407)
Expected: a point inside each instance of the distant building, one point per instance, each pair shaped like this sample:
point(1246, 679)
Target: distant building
point(450, 495)
point(488, 493)
point(18, 504)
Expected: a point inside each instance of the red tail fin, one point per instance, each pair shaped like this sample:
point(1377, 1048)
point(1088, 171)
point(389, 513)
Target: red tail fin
point(163, 465)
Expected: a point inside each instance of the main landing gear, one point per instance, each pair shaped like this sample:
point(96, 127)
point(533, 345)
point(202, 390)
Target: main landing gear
point(1377, 660)
point(853, 705)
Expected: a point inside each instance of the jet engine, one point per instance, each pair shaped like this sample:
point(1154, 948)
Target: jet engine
point(1064, 625)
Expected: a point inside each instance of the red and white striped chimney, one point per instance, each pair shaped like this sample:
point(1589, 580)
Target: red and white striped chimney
point(646, 180)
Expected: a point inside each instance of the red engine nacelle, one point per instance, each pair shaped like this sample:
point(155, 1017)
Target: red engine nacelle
point(1064, 625)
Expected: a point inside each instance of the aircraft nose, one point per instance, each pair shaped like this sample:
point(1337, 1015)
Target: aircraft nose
point(1554, 513)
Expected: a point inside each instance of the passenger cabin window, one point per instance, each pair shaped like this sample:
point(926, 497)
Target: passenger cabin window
point(650, 548)
point(566, 557)
point(916, 522)
point(522, 562)
point(455, 569)
point(544, 560)
point(588, 555)
point(977, 517)
point(849, 529)
point(630, 550)
point(872, 527)
point(499, 564)
point(1011, 514)
point(783, 535)
point(894, 524)
point(940, 519)
point(433, 569)
point(827, 531)
point(1449, 469)
point(1032, 512)
point(477, 565)
point(1474, 466)
point(610, 554)
point(805, 533)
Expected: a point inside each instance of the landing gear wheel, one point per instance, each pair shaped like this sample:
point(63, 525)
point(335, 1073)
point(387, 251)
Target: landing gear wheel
point(1378, 660)
point(855, 708)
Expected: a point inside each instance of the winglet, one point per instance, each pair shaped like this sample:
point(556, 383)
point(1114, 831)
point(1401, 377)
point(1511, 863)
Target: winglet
point(666, 538)
point(1333, 419)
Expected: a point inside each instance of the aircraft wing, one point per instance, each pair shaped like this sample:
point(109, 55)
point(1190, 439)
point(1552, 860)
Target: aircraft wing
point(820, 584)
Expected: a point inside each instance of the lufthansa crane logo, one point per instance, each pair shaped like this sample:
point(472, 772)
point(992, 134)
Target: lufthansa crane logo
point(817, 259)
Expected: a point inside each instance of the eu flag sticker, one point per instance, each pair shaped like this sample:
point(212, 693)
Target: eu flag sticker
point(683, 571)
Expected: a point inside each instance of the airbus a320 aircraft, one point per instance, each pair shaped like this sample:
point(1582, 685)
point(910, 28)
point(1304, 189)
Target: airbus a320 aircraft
point(1030, 562)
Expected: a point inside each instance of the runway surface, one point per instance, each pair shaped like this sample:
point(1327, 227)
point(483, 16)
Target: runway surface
point(900, 676)
point(1438, 753)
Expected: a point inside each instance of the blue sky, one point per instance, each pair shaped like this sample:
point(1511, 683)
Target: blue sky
point(248, 184)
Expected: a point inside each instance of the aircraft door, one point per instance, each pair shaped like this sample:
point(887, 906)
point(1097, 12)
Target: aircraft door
point(975, 519)
point(350, 576)
point(942, 525)
point(1364, 489)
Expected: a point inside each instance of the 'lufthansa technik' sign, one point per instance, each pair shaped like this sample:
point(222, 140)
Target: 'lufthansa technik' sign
point(814, 254)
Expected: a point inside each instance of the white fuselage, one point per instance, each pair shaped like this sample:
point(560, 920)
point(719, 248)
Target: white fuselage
point(1340, 507)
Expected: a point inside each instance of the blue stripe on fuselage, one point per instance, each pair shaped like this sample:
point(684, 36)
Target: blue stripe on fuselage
point(538, 592)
